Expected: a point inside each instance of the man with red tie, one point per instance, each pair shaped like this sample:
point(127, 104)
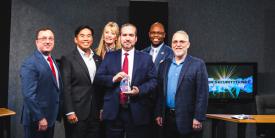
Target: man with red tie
point(41, 88)
point(127, 112)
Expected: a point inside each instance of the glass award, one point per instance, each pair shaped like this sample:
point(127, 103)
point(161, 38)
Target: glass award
point(125, 85)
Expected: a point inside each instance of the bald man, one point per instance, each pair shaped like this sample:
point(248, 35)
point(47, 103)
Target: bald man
point(158, 49)
point(159, 52)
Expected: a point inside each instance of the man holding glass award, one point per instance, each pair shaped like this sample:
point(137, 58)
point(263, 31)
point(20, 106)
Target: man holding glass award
point(129, 77)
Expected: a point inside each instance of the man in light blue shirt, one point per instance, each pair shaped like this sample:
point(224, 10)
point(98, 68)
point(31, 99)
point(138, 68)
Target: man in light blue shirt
point(173, 76)
point(182, 91)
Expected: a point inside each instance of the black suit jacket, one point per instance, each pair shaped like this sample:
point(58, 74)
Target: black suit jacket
point(80, 94)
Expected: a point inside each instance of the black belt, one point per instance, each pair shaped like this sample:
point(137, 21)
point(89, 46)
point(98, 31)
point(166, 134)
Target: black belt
point(170, 111)
point(124, 106)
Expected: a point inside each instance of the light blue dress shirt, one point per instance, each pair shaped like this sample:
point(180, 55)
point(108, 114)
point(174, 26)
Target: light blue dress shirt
point(173, 77)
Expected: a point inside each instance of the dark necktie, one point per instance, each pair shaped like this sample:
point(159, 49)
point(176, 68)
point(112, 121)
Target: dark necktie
point(51, 65)
point(123, 97)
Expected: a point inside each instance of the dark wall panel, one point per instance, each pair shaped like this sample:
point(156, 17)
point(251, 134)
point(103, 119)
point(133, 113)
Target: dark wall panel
point(5, 48)
point(143, 14)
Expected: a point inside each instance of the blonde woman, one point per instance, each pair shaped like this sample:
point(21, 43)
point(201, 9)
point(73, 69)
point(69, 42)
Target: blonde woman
point(109, 39)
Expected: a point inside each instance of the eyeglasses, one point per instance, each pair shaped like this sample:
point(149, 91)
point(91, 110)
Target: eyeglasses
point(156, 33)
point(46, 38)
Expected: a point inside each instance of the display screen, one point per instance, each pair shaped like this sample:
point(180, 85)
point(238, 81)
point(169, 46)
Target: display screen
point(232, 81)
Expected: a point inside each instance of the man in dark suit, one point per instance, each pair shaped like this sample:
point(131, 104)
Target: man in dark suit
point(158, 49)
point(81, 103)
point(159, 52)
point(41, 88)
point(127, 112)
point(182, 91)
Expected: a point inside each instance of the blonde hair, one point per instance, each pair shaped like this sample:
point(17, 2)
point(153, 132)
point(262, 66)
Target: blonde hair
point(101, 51)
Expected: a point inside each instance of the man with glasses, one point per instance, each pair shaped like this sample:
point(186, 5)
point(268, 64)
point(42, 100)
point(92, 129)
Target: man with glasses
point(41, 88)
point(182, 91)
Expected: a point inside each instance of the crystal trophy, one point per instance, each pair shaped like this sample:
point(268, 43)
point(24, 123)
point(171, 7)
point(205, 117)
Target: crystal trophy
point(125, 85)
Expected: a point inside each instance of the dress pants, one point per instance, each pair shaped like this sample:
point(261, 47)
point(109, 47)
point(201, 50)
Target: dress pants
point(31, 131)
point(123, 126)
point(170, 127)
point(88, 128)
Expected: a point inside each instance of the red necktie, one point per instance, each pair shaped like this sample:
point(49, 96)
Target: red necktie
point(125, 63)
point(123, 97)
point(51, 65)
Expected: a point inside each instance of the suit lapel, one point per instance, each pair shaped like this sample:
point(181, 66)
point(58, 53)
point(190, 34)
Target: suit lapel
point(97, 60)
point(184, 69)
point(165, 79)
point(160, 55)
point(59, 75)
point(147, 50)
point(82, 64)
point(46, 65)
point(136, 64)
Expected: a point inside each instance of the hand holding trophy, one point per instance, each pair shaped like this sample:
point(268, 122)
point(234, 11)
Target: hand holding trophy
point(125, 84)
point(125, 87)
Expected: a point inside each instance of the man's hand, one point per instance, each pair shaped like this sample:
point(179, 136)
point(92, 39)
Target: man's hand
point(197, 125)
point(119, 76)
point(101, 115)
point(72, 118)
point(42, 124)
point(133, 92)
point(159, 121)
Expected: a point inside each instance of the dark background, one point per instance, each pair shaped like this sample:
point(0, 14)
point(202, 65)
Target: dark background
point(220, 31)
point(143, 14)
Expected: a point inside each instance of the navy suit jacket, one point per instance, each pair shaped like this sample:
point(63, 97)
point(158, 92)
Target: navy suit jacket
point(164, 53)
point(191, 95)
point(79, 92)
point(144, 77)
point(40, 91)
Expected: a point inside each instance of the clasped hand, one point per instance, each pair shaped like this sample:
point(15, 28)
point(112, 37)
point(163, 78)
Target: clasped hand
point(133, 92)
point(119, 76)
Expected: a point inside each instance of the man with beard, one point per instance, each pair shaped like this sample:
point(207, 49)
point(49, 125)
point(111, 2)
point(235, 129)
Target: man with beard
point(182, 91)
point(127, 112)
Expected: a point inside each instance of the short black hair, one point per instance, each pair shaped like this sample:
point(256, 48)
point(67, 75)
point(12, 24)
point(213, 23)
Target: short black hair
point(128, 24)
point(42, 29)
point(78, 29)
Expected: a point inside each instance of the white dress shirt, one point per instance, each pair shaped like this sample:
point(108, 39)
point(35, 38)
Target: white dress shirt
point(90, 63)
point(154, 51)
point(130, 61)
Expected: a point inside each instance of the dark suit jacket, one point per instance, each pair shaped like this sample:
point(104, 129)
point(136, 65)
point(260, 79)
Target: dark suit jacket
point(40, 90)
point(191, 95)
point(79, 93)
point(164, 53)
point(144, 77)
